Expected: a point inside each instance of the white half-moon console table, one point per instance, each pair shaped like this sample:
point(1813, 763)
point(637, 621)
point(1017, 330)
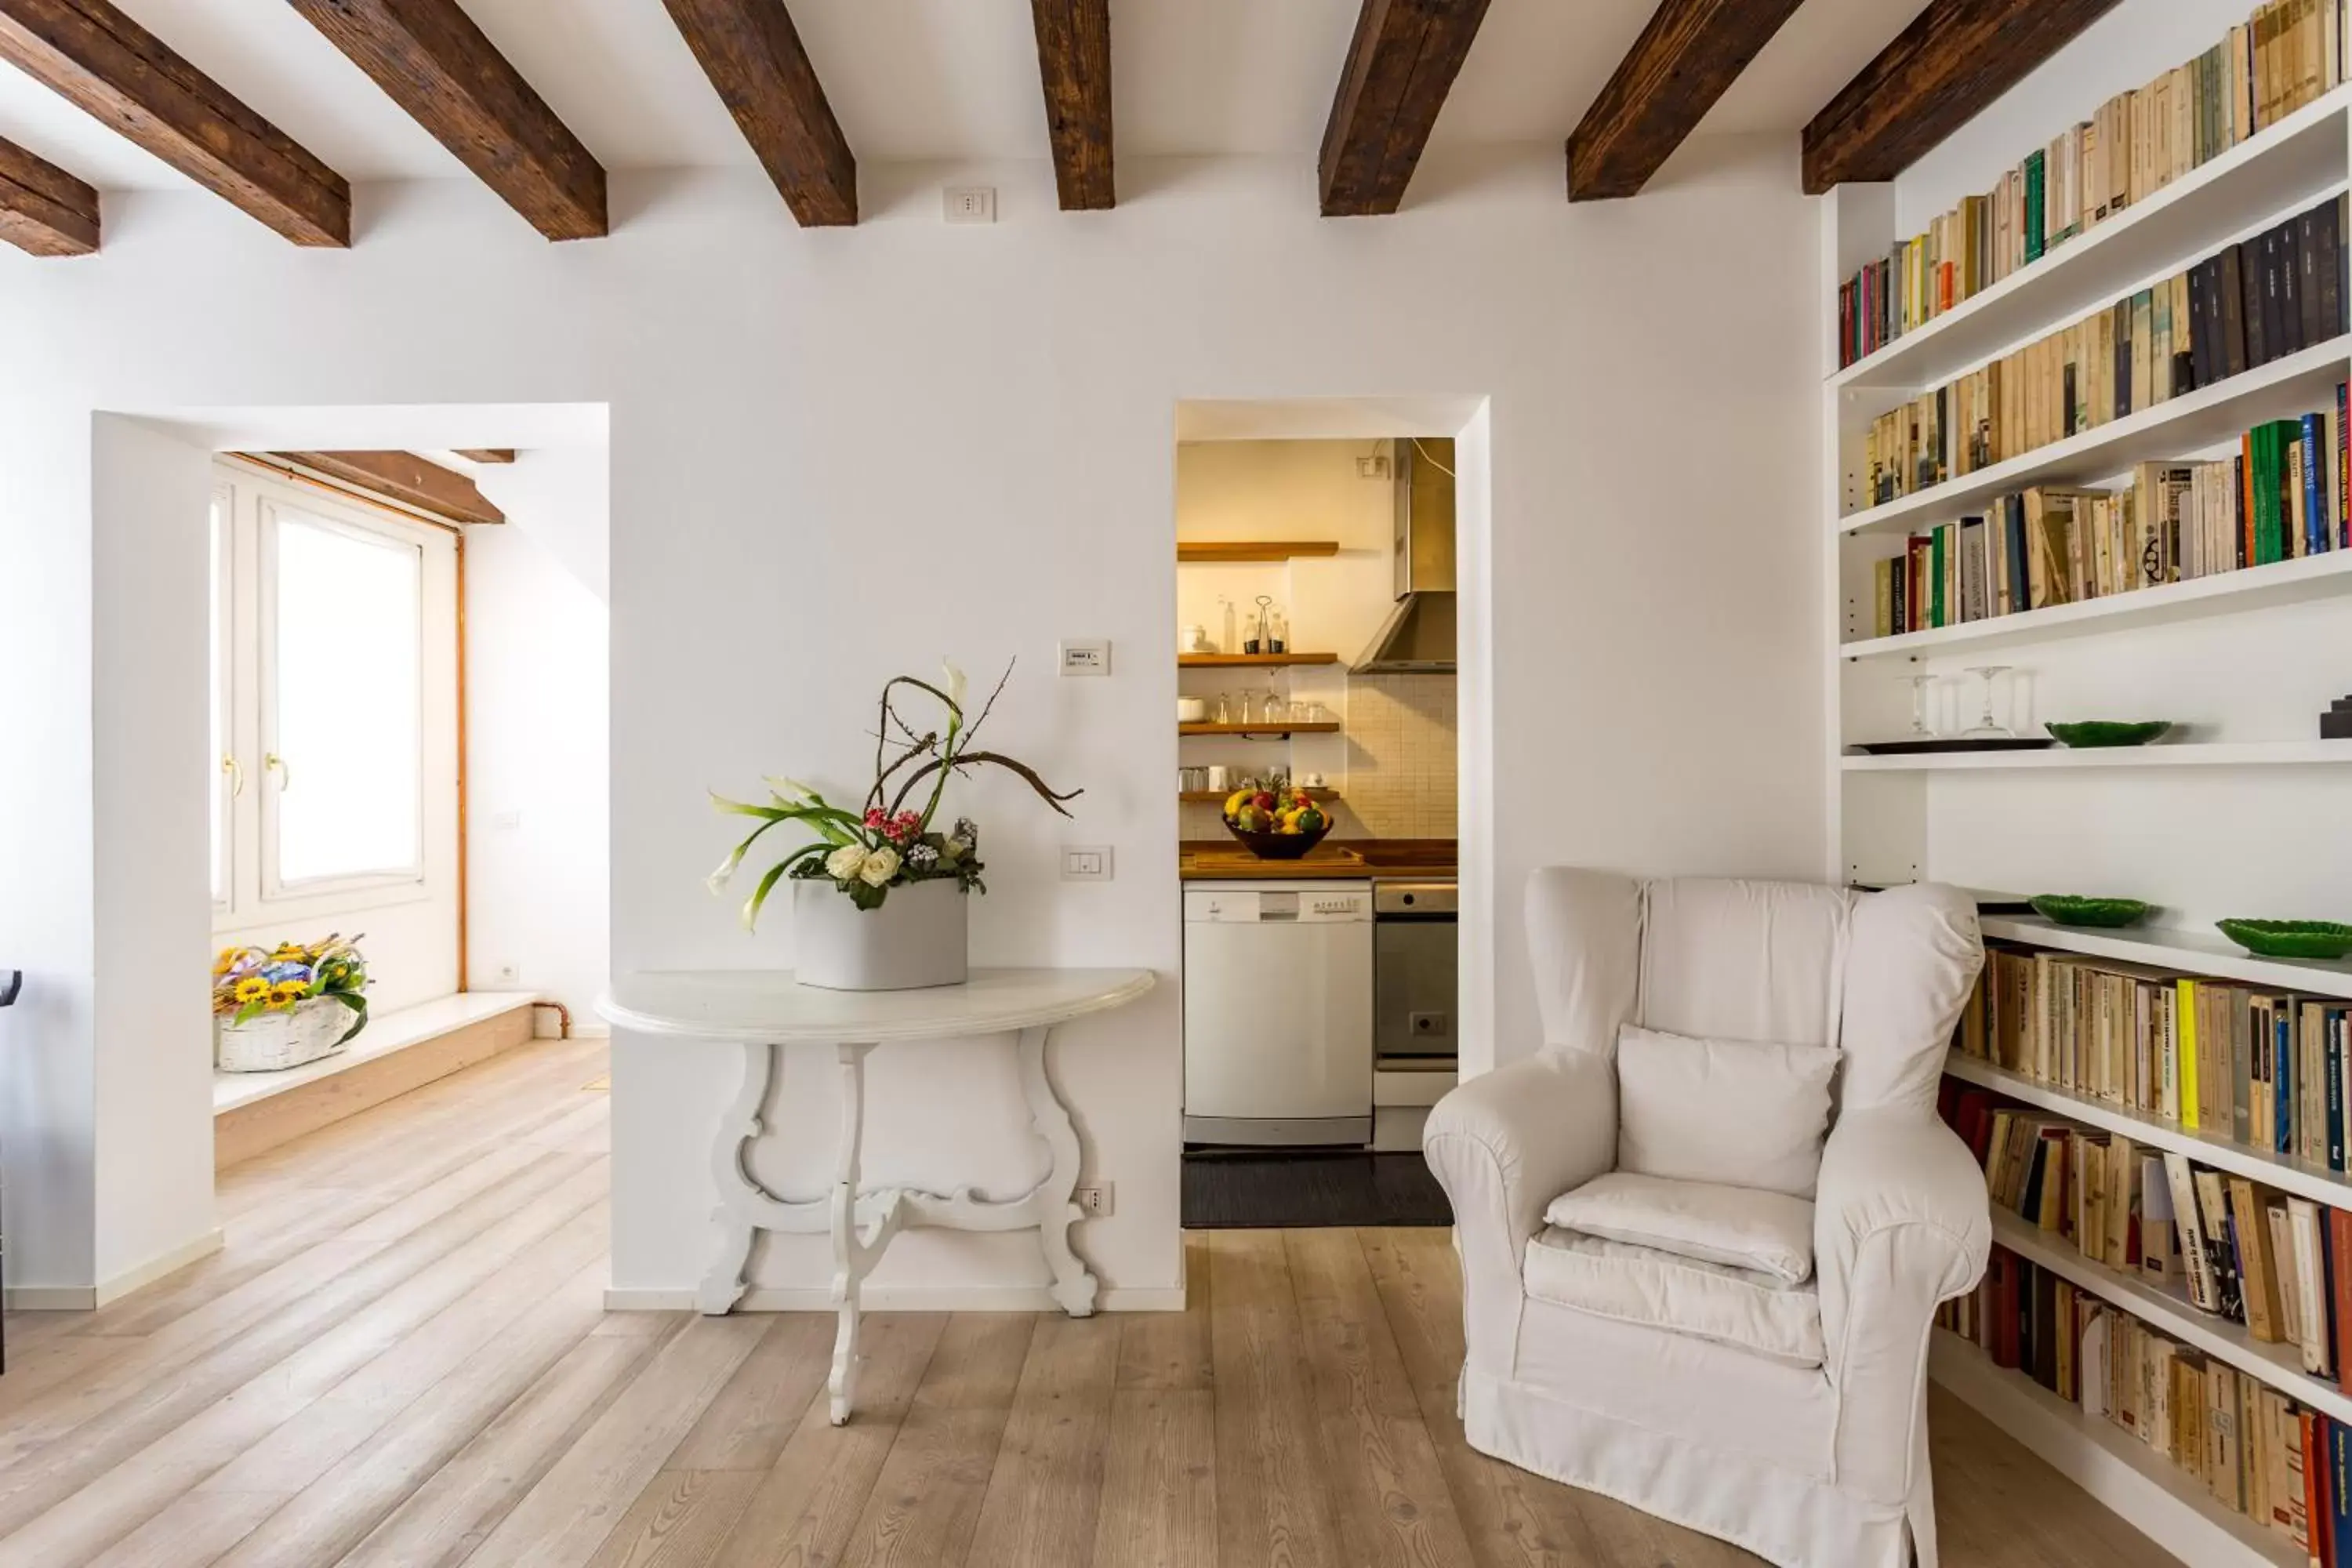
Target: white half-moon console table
point(764, 1011)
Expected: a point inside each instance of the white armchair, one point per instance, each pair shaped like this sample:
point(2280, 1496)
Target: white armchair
point(1789, 1418)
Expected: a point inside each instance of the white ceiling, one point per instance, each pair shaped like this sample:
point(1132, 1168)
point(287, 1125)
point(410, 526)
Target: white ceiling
point(939, 79)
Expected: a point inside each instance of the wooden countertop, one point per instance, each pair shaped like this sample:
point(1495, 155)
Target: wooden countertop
point(1222, 859)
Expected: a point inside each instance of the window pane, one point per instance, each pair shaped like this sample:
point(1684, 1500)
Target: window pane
point(214, 768)
point(347, 689)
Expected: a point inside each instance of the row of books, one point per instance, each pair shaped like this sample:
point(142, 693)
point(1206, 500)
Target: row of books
point(2257, 1452)
point(2242, 308)
point(2286, 494)
point(2285, 55)
point(2262, 1068)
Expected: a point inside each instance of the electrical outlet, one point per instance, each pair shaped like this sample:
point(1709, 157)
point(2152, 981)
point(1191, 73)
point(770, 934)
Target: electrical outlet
point(506, 821)
point(970, 204)
point(506, 972)
point(1094, 1203)
point(1085, 863)
point(1371, 467)
point(1088, 657)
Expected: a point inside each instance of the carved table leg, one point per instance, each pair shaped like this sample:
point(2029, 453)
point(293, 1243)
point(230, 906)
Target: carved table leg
point(724, 1285)
point(1074, 1282)
point(850, 1260)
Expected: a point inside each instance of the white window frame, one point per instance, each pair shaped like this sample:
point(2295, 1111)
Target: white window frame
point(258, 897)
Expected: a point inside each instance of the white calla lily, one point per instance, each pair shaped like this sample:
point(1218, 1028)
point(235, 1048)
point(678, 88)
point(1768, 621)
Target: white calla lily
point(717, 881)
point(955, 682)
point(791, 790)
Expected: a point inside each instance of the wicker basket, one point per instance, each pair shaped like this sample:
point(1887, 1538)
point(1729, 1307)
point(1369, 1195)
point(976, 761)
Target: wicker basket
point(272, 1041)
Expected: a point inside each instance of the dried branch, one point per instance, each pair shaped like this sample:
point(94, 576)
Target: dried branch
point(972, 759)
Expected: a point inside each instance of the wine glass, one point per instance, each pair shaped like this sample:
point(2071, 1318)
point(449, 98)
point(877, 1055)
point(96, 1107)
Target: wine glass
point(1920, 686)
point(1988, 727)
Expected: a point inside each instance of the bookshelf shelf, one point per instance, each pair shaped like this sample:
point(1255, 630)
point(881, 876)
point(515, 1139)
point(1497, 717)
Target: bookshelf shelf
point(2222, 412)
point(2279, 1171)
point(2225, 592)
point(2164, 1306)
point(2193, 952)
point(2293, 161)
point(2156, 1497)
point(2209, 754)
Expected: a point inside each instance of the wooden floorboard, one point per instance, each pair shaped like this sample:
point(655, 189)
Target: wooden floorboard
point(401, 1357)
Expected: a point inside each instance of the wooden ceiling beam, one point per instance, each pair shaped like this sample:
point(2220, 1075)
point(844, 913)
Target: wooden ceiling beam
point(1953, 61)
point(118, 72)
point(431, 58)
point(43, 209)
point(1073, 63)
point(406, 478)
point(752, 54)
point(486, 454)
point(1401, 65)
point(1691, 52)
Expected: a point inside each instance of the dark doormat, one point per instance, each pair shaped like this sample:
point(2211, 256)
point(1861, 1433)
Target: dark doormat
point(1255, 1190)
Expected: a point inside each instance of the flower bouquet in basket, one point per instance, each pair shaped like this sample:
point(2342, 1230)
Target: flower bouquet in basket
point(282, 1006)
point(879, 891)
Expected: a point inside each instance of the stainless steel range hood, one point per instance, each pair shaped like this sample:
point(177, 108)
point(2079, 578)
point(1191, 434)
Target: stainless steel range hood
point(1417, 638)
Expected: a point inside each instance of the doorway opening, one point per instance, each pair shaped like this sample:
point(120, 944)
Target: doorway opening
point(1329, 558)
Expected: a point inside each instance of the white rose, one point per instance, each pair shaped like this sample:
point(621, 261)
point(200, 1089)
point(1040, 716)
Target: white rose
point(846, 862)
point(880, 866)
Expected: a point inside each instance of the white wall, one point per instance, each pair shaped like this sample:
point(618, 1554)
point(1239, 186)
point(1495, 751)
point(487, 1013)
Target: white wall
point(152, 1018)
point(538, 752)
point(840, 453)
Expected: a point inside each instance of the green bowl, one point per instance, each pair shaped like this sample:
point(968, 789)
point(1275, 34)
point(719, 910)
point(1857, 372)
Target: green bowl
point(2088, 732)
point(2067, 910)
point(2290, 939)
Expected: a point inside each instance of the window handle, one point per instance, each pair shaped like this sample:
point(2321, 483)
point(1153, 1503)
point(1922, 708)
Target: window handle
point(235, 771)
point(285, 775)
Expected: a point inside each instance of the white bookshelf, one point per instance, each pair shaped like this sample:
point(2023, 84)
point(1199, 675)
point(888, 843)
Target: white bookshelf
point(2161, 1304)
point(2192, 952)
point(2163, 1501)
point(2243, 591)
point(2237, 821)
point(2183, 754)
point(2282, 1172)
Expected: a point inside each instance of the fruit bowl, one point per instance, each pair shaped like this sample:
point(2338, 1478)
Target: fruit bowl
point(2290, 939)
point(1280, 846)
point(1276, 824)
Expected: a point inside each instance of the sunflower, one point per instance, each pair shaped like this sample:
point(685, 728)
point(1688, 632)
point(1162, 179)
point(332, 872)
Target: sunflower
point(286, 993)
point(252, 988)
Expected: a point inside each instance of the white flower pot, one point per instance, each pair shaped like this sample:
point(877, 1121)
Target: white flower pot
point(917, 937)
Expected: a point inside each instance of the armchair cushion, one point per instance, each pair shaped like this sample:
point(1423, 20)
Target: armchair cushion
point(1733, 1112)
point(1769, 1233)
point(1743, 1308)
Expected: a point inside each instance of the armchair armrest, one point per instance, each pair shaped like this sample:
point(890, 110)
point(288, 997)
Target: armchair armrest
point(1900, 1223)
point(1503, 1146)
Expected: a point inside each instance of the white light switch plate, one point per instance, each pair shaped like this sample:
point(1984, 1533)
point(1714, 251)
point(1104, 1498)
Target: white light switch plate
point(1085, 863)
point(1089, 657)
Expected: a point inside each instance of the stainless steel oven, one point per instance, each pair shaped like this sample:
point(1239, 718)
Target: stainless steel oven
point(1413, 975)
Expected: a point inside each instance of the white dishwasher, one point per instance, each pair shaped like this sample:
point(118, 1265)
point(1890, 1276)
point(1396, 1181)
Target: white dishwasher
point(1279, 1013)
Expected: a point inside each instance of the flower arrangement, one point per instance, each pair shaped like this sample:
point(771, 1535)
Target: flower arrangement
point(889, 843)
point(248, 982)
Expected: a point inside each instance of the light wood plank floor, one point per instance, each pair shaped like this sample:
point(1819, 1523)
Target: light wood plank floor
point(401, 1358)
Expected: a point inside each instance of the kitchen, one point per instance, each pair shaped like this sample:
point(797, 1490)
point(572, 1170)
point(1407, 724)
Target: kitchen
point(1317, 752)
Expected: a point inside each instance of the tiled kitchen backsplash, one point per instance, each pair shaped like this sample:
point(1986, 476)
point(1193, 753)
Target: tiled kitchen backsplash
point(1401, 755)
point(1399, 776)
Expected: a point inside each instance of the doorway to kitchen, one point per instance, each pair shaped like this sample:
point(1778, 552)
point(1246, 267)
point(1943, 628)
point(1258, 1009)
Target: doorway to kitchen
point(1321, 607)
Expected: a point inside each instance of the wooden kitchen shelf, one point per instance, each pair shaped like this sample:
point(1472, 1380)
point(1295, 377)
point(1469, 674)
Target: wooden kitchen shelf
point(1285, 727)
point(1234, 660)
point(1253, 549)
point(1218, 796)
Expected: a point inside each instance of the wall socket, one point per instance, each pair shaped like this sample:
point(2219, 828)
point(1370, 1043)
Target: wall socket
point(970, 203)
point(1085, 863)
point(1371, 467)
point(506, 972)
point(1094, 1202)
